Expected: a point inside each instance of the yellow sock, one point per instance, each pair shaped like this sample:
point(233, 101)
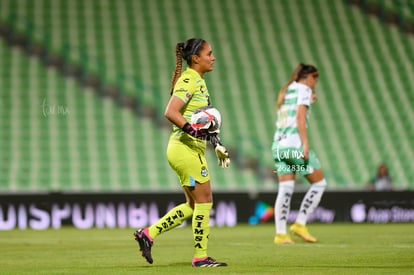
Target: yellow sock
point(201, 228)
point(172, 219)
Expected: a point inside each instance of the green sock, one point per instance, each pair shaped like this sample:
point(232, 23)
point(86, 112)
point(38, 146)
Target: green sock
point(201, 228)
point(172, 219)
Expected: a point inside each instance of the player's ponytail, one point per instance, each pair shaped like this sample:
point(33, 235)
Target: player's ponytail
point(293, 77)
point(185, 50)
point(178, 64)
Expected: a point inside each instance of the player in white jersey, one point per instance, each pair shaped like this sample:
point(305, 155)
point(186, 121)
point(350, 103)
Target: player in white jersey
point(292, 155)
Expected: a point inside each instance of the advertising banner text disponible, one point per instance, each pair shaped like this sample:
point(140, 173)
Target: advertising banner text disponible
point(83, 211)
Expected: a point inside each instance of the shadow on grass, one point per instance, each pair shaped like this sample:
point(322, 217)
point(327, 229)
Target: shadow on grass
point(164, 265)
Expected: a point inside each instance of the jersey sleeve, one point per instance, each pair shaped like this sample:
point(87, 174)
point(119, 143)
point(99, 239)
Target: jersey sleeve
point(184, 89)
point(304, 96)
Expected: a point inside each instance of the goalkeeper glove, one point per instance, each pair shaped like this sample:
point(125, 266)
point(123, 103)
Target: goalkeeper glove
point(221, 151)
point(192, 131)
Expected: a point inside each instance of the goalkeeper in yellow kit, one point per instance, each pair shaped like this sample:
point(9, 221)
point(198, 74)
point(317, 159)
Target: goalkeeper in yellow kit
point(186, 153)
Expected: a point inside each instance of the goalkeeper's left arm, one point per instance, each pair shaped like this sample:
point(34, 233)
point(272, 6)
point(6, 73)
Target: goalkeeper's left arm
point(221, 151)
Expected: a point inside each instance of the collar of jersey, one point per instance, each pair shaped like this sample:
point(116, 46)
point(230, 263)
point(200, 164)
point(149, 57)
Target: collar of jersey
point(192, 72)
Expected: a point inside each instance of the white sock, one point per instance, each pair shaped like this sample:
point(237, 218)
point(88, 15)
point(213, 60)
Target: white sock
point(311, 201)
point(282, 205)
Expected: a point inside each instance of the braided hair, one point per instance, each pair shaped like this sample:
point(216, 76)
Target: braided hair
point(185, 50)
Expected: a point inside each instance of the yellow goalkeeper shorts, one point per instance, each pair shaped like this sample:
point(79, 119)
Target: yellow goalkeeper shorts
point(189, 164)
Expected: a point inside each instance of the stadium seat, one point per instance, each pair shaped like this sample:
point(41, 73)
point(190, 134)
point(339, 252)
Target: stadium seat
point(364, 91)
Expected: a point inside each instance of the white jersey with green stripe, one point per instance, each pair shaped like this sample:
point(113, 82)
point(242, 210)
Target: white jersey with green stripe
point(287, 134)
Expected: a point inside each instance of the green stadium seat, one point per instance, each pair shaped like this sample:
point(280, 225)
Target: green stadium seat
point(365, 88)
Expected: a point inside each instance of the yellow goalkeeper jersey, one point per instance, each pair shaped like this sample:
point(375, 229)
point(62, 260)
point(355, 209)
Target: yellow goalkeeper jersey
point(192, 90)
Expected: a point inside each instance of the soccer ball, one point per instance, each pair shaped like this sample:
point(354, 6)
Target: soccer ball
point(206, 118)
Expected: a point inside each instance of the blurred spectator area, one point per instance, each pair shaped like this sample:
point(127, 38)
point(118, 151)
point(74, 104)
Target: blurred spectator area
point(84, 84)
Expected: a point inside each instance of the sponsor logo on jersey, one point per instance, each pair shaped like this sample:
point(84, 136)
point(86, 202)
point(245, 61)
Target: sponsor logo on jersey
point(181, 90)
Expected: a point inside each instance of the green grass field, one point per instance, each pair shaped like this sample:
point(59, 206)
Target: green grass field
point(341, 249)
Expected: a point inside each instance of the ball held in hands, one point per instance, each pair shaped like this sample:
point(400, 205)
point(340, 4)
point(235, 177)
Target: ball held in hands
point(208, 118)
